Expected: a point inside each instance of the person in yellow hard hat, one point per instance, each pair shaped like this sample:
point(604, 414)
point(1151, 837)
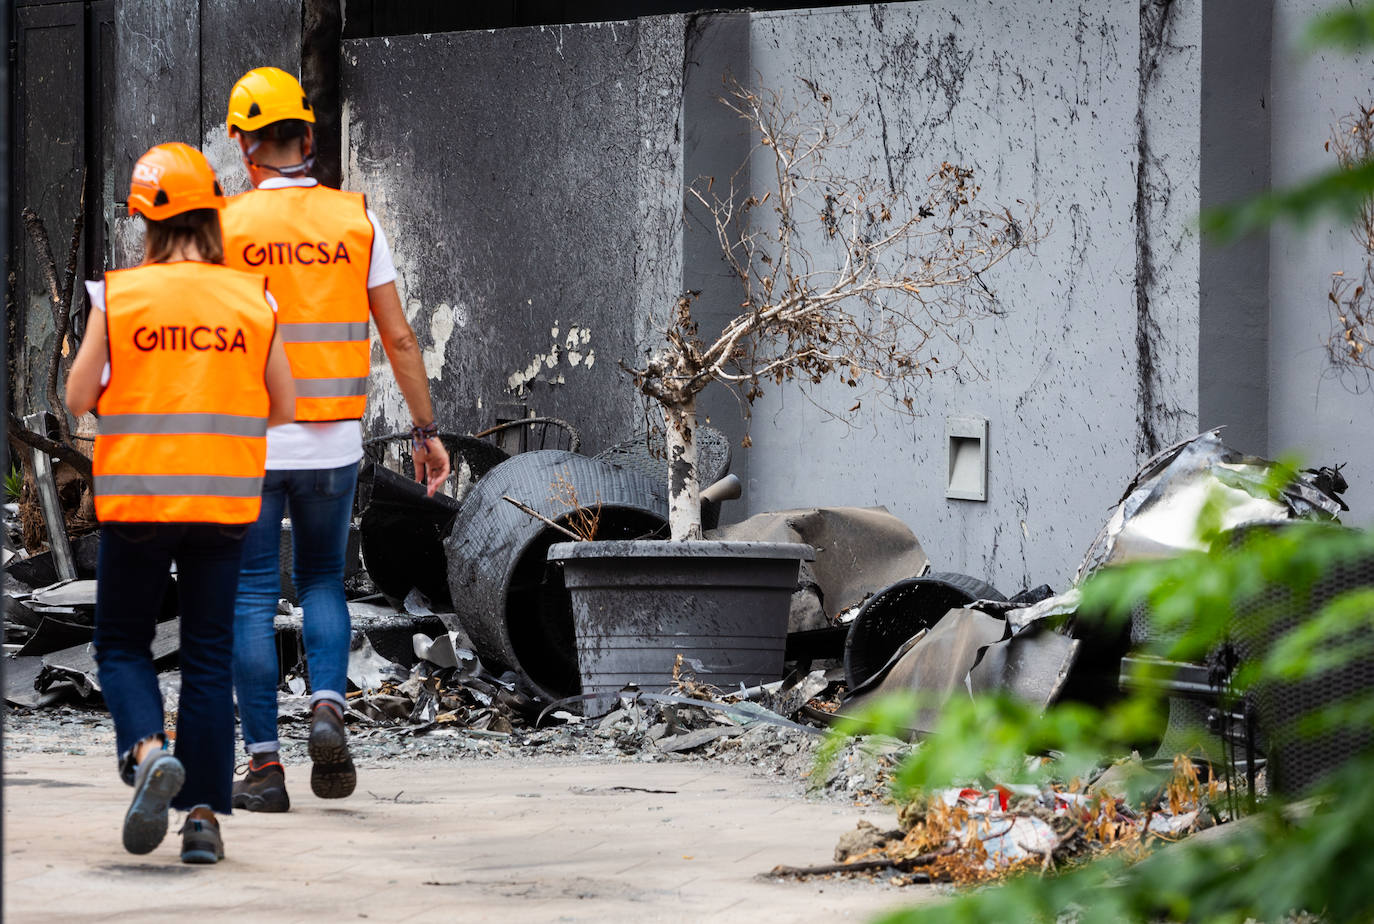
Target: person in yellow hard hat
point(182, 362)
point(328, 263)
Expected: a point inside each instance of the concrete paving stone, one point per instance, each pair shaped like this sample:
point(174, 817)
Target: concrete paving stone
point(508, 839)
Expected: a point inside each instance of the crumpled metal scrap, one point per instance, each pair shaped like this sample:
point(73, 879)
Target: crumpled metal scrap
point(1157, 516)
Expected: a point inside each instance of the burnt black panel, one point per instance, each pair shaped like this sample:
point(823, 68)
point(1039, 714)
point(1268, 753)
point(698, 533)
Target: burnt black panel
point(369, 18)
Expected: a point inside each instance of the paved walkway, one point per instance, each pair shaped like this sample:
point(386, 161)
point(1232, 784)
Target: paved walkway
point(499, 840)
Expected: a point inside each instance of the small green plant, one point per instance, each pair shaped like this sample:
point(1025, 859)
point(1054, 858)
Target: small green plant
point(14, 483)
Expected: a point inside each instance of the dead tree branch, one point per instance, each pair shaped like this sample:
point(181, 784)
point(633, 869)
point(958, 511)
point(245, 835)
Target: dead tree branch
point(840, 275)
point(59, 297)
point(1350, 345)
point(905, 864)
point(21, 434)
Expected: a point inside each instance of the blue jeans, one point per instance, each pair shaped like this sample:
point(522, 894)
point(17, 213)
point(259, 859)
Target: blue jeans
point(320, 504)
point(131, 575)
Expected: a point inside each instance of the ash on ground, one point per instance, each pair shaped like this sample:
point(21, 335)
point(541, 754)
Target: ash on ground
point(639, 729)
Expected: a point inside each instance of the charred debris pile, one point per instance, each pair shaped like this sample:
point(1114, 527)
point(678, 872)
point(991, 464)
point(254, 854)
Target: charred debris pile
point(463, 635)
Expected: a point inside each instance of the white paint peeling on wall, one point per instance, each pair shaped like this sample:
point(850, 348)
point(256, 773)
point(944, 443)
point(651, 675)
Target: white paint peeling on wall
point(572, 347)
point(386, 406)
point(442, 322)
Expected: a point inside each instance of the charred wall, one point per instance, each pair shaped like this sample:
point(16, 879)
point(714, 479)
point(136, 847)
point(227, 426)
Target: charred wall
point(97, 84)
point(534, 179)
point(530, 183)
point(177, 63)
point(61, 61)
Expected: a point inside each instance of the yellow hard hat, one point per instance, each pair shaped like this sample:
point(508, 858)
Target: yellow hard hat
point(171, 179)
point(265, 95)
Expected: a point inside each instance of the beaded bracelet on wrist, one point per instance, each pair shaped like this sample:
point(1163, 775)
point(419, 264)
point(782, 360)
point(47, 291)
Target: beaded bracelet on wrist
point(419, 434)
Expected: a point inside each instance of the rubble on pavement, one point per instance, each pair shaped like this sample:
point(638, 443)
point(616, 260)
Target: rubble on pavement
point(418, 686)
point(974, 835)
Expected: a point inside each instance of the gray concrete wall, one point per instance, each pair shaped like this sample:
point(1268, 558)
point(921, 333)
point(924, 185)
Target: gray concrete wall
point(524, 199)
point(1098, 342)
point(715, 147)
point(530, 181)
point(1233, 389)
point(1312, 410)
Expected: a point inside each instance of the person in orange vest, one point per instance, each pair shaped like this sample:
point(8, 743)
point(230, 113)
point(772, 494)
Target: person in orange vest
point(328, 263)
point(182, 362)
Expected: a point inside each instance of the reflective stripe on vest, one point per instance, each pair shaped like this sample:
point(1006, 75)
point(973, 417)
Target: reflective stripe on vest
point(335, 332)
point(315, 245)
point(331, 388)
point(180, 485)
point(183, 421)
point(227, 424)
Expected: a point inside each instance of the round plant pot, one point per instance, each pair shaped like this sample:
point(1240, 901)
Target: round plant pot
point(639, 604)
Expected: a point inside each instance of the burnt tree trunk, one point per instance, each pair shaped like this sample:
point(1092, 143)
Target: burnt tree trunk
point(684, 484)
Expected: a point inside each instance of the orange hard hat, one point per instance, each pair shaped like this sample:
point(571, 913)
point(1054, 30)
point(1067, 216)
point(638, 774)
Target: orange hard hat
point(173, 178)
point(265, 95)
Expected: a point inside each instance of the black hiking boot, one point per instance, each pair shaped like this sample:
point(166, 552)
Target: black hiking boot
point(333, 775)
point(263, 787)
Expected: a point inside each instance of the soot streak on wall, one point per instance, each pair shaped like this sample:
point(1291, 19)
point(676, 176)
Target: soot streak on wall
point(1166, 251)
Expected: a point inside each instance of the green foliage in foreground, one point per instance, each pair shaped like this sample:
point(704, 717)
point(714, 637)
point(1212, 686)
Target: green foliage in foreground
point(1277, 860)
point(1348, 28)
point(14, 483)
point(1337, 193)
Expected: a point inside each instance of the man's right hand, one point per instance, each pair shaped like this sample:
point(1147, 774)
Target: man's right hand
point(431, 465)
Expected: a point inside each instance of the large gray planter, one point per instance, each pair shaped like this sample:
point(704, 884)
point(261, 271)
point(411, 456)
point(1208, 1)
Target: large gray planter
point(637, 605)
point(516, 614)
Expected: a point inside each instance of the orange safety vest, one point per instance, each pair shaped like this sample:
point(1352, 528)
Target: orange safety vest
point(183, 421)
point(315, 245)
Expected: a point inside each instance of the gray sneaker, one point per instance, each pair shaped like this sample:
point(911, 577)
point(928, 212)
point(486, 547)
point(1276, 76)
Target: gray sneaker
point(201, 841)
point(156, 781)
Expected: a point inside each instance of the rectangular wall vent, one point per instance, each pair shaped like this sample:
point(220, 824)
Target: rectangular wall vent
point(967, 471)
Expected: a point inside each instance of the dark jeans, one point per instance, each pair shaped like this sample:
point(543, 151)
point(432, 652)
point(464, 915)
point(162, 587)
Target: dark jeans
point(132, 580)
